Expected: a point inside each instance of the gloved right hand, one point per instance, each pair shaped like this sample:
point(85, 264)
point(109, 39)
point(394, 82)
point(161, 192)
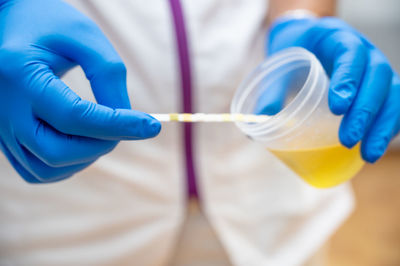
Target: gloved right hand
point(364, 88)
point(47, 132)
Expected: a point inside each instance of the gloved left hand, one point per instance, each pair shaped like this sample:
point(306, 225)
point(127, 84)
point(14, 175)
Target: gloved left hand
point(47, 132)
point(363, 88)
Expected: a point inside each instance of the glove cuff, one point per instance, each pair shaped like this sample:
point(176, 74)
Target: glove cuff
point(295, 14)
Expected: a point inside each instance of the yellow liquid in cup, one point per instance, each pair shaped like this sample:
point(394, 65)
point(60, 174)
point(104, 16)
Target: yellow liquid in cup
point(323, 167)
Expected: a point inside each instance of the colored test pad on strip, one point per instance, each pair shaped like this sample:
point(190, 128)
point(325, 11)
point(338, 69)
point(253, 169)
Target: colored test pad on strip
point(200, 117)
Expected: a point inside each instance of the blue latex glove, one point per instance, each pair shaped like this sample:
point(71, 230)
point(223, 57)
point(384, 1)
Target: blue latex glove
point(363, 85)
point(46, 131)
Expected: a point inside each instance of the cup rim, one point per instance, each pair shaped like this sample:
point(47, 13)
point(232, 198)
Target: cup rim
point(265, 130)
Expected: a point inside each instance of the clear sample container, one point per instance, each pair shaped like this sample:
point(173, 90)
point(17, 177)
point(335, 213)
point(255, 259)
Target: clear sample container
point(292, 87)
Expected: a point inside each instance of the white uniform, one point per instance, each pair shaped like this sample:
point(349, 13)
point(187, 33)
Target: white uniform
point(129, 207)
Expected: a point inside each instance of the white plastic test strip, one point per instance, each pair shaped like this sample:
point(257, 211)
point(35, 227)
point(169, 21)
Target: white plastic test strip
point(200, 117)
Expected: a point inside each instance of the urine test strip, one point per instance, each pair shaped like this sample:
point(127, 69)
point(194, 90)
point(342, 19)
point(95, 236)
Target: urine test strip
point(200, 117)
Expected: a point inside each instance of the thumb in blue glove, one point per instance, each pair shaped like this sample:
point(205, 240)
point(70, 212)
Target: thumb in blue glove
point(47, 132)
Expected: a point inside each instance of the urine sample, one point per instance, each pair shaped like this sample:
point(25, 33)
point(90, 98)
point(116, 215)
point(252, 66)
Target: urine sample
point(292, 87)
point(323, 167)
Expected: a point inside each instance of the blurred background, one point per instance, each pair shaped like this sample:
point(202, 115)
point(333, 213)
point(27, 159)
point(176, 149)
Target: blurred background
point(371, 236)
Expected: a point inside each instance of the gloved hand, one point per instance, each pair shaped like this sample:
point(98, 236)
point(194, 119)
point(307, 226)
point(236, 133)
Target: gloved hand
point(47, 132)
point(363, 85)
